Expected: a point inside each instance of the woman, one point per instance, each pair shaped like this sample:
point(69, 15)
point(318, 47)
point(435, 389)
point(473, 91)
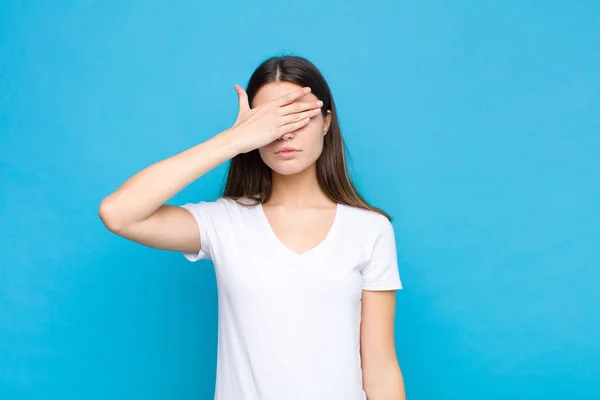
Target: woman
point(306, 269)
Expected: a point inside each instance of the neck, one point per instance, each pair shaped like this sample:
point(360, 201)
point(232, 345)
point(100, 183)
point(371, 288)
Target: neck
point(298, 190)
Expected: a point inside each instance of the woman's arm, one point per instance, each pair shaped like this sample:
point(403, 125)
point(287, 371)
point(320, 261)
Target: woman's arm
point(137, 209)
point(382, 378)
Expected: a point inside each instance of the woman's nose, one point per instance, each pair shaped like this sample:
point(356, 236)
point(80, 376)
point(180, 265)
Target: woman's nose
point(287, 136)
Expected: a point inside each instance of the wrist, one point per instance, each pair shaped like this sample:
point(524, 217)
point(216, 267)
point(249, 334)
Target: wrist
point(227, 140)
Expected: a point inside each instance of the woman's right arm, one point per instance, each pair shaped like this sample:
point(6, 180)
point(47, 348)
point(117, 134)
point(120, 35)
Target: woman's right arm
point(137, 210)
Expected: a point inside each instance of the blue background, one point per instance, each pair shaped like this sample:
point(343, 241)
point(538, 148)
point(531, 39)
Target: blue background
point(475, 124)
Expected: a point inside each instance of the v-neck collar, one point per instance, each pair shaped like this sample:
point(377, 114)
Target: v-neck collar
point(285, 248)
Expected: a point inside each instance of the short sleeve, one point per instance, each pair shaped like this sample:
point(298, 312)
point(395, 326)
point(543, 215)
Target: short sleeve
point(203, 213)
point(381, 271)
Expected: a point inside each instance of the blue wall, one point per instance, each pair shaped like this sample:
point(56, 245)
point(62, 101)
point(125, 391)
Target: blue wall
point(476, 125)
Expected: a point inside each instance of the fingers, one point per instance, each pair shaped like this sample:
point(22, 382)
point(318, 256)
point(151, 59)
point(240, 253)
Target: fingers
point(298, 107)
point(286, 119)
point(291, 96)
point(242, 98)
point(293, 126)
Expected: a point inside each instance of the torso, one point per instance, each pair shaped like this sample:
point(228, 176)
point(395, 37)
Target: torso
point(290, 289)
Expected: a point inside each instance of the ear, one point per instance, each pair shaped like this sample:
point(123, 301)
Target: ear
point(327, 122)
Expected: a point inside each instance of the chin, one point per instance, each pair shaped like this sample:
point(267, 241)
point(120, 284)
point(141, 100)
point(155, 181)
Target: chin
point(289, 167)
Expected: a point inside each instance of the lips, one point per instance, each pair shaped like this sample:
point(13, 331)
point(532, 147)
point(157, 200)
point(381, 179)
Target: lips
point(286, 150)
point(287, 153)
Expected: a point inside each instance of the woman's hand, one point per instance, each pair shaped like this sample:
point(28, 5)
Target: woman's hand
point(264, 124)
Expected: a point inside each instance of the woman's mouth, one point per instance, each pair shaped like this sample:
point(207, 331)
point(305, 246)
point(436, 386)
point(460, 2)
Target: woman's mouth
point(287, 153)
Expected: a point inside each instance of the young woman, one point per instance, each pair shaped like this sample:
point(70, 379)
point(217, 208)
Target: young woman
point(306, 269)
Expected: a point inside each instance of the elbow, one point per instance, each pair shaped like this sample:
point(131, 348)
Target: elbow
point(395, 392)
point(108, 217)
point(388, 385)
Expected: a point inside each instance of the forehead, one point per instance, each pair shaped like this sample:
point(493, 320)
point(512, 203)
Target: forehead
point(274, 90)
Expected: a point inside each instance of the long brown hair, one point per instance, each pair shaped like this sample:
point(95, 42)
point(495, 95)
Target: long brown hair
point(249, 177)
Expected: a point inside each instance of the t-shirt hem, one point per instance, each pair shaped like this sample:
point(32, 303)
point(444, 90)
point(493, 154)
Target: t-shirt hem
point(203, 254)
point(380, 287)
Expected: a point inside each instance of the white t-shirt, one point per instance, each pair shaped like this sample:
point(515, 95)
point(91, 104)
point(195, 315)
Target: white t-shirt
point(289, 324)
